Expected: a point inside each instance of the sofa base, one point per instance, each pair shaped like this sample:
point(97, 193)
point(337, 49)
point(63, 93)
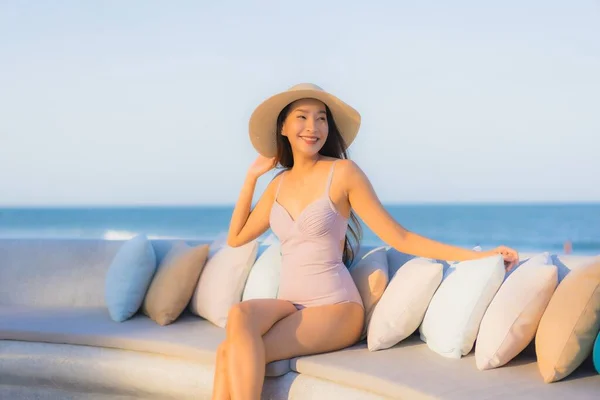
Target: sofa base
point(48, 393)
point(48, 371)
point(102, 371)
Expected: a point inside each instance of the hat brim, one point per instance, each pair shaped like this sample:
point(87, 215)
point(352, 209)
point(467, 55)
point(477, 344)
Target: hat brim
point(263, 121)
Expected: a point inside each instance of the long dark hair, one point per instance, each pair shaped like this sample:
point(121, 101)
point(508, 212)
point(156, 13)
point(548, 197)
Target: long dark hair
point(334, 147)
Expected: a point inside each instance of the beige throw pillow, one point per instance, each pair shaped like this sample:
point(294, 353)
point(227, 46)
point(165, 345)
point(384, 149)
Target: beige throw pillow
point(370, 275)
point(570, 324)
point(174, 282)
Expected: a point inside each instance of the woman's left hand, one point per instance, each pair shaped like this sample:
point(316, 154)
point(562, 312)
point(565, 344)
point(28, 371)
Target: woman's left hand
point(511, 257)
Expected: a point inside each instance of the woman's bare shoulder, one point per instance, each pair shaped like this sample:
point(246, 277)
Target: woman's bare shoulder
point(347, 168)
point(328, 160)
point(277, 177)
point(340, 163)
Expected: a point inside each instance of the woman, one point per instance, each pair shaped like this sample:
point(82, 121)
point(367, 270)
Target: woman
point(307, 131)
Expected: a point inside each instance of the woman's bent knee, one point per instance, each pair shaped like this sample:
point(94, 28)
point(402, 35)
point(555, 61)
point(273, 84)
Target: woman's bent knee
point(239, 317)
point(256, 316)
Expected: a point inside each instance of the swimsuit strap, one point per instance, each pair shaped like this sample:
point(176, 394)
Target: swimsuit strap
point(330, 178)
point(279, 186)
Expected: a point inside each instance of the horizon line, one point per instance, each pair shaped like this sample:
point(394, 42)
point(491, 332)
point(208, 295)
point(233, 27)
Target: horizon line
point(231, 205)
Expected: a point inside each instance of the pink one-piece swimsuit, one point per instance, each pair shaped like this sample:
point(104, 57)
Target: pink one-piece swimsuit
point(312, 270)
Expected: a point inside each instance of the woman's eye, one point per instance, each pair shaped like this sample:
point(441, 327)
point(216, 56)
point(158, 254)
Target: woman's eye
point(301, 116)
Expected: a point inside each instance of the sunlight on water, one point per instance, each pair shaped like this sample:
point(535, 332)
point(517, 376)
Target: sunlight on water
point(118, 235)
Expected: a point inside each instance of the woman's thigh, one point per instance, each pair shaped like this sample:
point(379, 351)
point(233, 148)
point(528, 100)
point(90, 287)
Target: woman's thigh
point(258, 314)
point(314, 330)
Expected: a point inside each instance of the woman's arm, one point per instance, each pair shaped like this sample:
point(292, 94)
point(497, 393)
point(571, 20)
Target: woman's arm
point(364, 201)
point(246, 225)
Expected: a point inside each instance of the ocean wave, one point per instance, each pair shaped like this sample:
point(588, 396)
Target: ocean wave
point(118, 235)
point(109, 234)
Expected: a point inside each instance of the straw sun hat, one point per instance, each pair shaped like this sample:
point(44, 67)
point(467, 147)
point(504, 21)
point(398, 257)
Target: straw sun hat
point(263, 121)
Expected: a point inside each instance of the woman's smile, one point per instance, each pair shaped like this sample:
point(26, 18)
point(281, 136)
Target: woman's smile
point(310, 139)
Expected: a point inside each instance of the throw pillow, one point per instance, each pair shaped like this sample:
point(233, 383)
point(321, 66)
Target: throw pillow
point(452, 319)
point(174, 282)
point(370, 275)
point(570, 324)
point(402, 307)
point(222, 282)
point(513, 316)
point(596, 354)
point(263, 280)
point(128, 278)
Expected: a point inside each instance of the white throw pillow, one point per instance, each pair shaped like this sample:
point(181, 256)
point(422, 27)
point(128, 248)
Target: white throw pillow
point(263, 280)
point(511, 320)
point(222, 282)
point(452, 320)
point(402, 307)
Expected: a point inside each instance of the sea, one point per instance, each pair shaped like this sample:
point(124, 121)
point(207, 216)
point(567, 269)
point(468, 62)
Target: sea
point(525, 227)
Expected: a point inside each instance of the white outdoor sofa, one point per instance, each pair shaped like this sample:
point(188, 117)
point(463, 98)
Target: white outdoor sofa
point(58, 342)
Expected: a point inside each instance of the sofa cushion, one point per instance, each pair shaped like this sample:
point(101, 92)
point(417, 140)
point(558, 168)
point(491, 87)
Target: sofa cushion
point(370, 275)
point(596, 353)
point(222, 282)
point(404, 303)
point(570, 324)
point(410, 370)
point(174, 282)
point(511, 320)
point(50, 371)
point(129, 277)
point(189, 337)
point(63, 272)
point(452, 320)
point(52, 273)
point(263, 279)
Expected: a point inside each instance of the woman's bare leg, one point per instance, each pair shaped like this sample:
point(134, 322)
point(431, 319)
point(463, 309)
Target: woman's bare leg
point(314, 330)
point(220, 384)
point(247, 322)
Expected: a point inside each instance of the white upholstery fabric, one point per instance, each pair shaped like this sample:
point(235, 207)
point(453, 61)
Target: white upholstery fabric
point(52, 291)
point(60, 272)
point(190, 337)
point(410, 370)
point(98, 370)
point(54, 273)
point(48, 371)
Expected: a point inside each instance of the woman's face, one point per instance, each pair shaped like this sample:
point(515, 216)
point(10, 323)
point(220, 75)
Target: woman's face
point(306, 126)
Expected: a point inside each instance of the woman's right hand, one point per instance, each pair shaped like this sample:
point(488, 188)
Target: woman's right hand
point(261, 166)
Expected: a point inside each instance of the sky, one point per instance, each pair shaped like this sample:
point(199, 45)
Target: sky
point(147, 102)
